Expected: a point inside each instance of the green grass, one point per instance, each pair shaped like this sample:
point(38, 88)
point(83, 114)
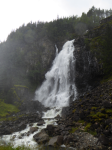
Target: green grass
point(92, 132)
point(94, 108)
point(81, 121)
point(87, 127)
point(98, 115)
point(108, 110)
point(7, 109)
point(73, 130)
point(11, 148)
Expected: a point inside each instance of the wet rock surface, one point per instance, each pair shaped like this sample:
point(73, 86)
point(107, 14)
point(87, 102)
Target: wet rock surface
point(18, 123)
point(33, 129)
point(41, 137)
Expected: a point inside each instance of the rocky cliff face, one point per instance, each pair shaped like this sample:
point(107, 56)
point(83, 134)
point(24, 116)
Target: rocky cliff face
point(39, 59)
point(34, 60)
point(87, 68)
point(24, 66)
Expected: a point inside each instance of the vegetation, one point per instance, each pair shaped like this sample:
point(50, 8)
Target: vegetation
point(81, 121)
point(101, 46)
point(87, 127)
point(7, 109)
point(74, 129)
point(11, 148)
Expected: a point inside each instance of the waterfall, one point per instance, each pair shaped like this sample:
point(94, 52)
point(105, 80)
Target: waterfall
point(55, 93)
point(59, 84)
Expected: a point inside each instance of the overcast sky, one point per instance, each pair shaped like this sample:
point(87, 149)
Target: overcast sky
point(14, 13)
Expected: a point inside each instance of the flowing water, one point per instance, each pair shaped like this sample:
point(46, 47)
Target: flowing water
point(58, 86)
point(55, 93)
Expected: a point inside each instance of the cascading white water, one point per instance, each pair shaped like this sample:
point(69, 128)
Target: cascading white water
point(57, 88)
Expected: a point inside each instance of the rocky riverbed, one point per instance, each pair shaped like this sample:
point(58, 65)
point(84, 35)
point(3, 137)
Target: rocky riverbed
point(54, 135)
point(85, 124)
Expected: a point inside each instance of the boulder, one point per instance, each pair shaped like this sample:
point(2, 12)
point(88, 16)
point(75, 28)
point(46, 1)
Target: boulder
point(106, 132)
point(56, 141)
point(64, 112)
point(33, 129)
point(21, 126)
point(103, 140)
point(110, 141)
point(68, 139)
point(107, 104)
point(5, 132)
point(108, 121)
point(50, 129)
point(40, 123)
point(41, 137)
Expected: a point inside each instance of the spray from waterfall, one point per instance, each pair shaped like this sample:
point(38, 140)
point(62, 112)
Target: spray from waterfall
point(59, 85)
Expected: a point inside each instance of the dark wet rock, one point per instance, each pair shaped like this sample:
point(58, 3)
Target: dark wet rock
point(41, 122)
point(108, 121)
point(64, 111)
point(31, 124)
point(110, 140)
point(106, 133)
point(8, 127)
point(5, 131)
point(68, 139)
point(103, 140)
point(56, 141)
point(33, 129)
point(50, 130)
point(21, 126)
point(95, 126)
point(82, 115)
point(41, 137)
point(107, 104)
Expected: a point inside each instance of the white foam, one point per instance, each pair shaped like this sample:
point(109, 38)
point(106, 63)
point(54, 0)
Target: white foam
point(17, 140)
point(57, 88)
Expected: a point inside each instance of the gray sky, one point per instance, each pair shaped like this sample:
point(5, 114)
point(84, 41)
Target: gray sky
point(14, 13)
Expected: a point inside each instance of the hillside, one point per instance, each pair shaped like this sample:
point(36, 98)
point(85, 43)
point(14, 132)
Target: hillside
point(28, 52)
point(27, 55)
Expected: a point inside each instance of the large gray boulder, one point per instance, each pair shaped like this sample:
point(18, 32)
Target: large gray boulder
point(40, 123)
point(33, 129)
point(21, 126)
point(50, 129)
point(41, 137)
point(56, 141)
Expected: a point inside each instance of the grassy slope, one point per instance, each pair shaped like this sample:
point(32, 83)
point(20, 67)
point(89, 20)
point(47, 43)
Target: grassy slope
point(7, 109)
point(10, 148)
